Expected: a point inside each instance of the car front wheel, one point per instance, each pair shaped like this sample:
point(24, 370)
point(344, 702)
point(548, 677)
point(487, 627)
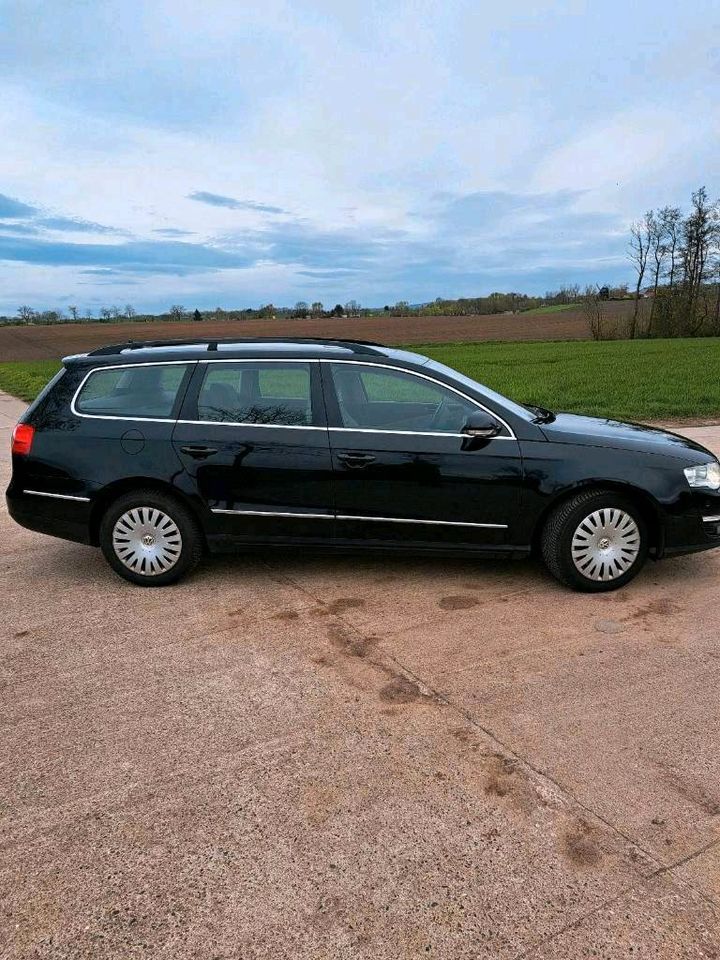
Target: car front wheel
point(150, 538)
point(595, 541)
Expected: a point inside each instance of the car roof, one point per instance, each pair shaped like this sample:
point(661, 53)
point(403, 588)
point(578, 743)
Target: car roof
point(257, 348)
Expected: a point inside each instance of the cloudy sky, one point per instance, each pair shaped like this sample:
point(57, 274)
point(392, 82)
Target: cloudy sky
point(233, 153)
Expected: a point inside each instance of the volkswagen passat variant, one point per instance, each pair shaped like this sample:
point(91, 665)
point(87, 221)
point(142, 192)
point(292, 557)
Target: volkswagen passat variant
point(159, 452)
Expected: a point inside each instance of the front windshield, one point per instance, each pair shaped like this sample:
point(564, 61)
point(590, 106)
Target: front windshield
point(498, 398)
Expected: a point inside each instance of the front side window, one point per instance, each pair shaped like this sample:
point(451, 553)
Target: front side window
point(257, 392)
point(143, 391)
point(375, 398)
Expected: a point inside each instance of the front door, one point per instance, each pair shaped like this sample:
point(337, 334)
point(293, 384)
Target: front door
point(253, 437)
point(404, 472)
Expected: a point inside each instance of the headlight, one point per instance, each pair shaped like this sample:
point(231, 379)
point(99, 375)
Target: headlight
point(705, 475)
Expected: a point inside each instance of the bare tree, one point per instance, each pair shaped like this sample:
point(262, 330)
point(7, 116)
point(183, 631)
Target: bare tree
point(177, 311)
point(301, 309)
point(130, 311)
point(672, 219)
point(701, 234)
point(317, 309)
point(638, 251)
point(593, 307)
point(74, 312)
point(658, 251)
point(26, 314)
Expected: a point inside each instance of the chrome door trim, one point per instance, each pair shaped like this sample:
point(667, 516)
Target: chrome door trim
point(442, 523)
point(342, 516)
point(57, 496)
point(274, 513)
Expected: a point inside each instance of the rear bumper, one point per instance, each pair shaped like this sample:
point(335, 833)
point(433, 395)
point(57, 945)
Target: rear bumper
point(53, 515)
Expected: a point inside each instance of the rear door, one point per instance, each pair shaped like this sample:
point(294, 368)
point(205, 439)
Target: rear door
point(404, 472)
point(253, 437)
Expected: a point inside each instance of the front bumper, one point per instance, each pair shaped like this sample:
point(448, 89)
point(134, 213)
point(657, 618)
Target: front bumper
point(690, 533)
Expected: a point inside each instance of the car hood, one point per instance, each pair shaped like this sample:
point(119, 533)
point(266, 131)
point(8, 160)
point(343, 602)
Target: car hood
point(598, 432)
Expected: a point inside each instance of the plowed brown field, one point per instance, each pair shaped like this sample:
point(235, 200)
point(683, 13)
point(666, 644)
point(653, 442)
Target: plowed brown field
point(50, 342)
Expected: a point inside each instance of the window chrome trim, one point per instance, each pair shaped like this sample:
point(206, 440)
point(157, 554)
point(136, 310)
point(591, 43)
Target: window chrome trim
point(125, 366)
point(442, 523)
point(57, 496)
point(274, 513)
point(715, 519)
point(421, 376)
point(279, 426)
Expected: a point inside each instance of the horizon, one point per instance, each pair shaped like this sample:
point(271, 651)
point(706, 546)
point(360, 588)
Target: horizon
point(315, 151)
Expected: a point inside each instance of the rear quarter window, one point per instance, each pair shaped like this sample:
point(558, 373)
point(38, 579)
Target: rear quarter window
point(142, 391)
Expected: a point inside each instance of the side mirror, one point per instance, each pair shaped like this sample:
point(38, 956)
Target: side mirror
point(481, 425)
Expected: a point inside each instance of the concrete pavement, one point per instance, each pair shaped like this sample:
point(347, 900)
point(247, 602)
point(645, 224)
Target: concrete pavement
point(355, 758)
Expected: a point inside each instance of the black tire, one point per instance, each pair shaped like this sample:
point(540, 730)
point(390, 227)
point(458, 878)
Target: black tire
point(184, 547)
point(566, 519)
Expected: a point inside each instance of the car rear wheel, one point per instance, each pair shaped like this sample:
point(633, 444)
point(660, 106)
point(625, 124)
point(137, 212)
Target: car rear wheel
point(596, 541)
point(150, 538)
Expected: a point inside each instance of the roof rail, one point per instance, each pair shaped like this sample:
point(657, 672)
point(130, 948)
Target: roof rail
point(211, 343)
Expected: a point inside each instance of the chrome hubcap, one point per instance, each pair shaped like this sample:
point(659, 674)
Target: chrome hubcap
point(606, 544)
point(147, 541)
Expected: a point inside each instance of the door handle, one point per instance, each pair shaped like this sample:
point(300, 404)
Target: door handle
point(356, 461)
point(198, 452)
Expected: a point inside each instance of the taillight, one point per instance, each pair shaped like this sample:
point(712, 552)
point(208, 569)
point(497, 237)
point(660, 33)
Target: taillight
point(22, 439)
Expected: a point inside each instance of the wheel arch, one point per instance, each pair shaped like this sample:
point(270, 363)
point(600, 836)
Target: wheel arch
point(117, 488)
point(649, 508)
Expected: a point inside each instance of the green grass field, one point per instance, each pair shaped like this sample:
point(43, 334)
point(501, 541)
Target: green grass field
point(554, 308)
point(25, 379)
point(640, 379)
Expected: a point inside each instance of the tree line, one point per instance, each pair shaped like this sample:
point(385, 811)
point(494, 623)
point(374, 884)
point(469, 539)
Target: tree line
point(676, 290)
point(494, 303)
point(676, 261)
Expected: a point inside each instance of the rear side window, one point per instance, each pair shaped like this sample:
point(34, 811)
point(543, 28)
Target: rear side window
point(277, 394)
point(146, 390)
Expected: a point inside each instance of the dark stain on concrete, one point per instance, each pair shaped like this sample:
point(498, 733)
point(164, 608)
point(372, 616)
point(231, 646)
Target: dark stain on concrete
point(401, 690)
point(348, 642)
point(22, 633)
point(457, 602)
point(579, 847)
point(463, 734)
point(286, 615)
point(655, 608)
point(321, 660)
point(695, 793)
point(344, 603)
point(500, 778)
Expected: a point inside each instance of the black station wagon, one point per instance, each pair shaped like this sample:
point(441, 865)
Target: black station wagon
point(161, 451)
